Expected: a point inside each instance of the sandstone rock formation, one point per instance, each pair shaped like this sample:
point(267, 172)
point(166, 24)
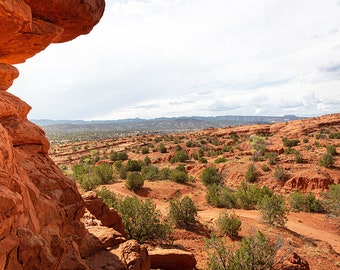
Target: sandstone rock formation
point(40, 209)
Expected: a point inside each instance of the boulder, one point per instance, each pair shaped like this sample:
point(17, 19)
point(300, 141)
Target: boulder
point(172, 259)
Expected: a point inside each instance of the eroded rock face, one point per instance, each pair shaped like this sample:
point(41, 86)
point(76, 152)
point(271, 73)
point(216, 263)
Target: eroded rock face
point(40, 208)
point(29, 26)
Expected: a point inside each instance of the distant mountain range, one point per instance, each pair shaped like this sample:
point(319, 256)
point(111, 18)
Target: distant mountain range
point(175, 124)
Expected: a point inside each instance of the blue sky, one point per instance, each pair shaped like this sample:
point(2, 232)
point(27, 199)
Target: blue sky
point(156, 58)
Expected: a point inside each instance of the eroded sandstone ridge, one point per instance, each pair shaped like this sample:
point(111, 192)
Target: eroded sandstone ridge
point(40, 209)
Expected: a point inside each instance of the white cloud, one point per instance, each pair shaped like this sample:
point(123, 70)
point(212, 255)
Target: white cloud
point(192, 57)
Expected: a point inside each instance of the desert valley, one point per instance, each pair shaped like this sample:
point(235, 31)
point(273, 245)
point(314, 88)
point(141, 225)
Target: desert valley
point(285, 157)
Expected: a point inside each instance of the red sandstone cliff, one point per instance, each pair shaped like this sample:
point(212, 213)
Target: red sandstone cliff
point(40, 209)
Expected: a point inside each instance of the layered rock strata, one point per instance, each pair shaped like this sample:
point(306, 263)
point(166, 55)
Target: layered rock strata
point(40, 208)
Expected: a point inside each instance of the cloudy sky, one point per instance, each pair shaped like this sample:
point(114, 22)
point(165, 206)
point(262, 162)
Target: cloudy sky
point(156, 58)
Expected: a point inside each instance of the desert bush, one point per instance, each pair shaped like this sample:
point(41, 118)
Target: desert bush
point(179, 176)
point(80, 169)
point(298, 157)
point(259, 146)
point(290, 143)
point(272, 157)
point(326, 160)
point(251, 173)
point(265, 168)
point(202, 160)
point(273, 210)
point(280, 173)
point(145, 150)
point(210, 176)
point(180, 156)
point(133, 166)
point(164, 174)
point(335, 135)
point(105, 173)
point(150, 173)
point(220, 196)
point(331, 149)
point(220, 160)
point(183, 212)
point(134, 181)
point(249, 196)
point(108, 196)
point(89, 182)
point(147, 161)
point(162, 148)
point(114, 156)
point(255, 252)
point(229, 224)
point(123, 173)
point(304, 202)
point(142, 220)
point(332, 200)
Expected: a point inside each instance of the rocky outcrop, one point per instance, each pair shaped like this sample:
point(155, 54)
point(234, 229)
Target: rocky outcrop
point(108, 217)
point(172, 259)
point(295, 262)
point(40, 208)
point(29, 26)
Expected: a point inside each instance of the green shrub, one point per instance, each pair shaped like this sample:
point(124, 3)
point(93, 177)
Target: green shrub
point(145, 150)
point(255, 252)
point(162, 148)
point(229, 224)
point(123, 173)
point(290, 143)
point(273, 210)
point(220, 196)
point(108, 196)
point(327, 160)
point(220, 160)
point(259, 146)
point(105, 173)
point(304, 202)
point(133, 166)
point(332, 200)
point(114, 156)
point(150, 173)
point(134, 181)
point(164, 174)
point(141, 220)
point(88, 182)
point(210, 176)
point(272, 157)
point(280, 173)
point(298, 157)
point(180, 156)
point(202, 160)
point(249, 196)
point(147, 161)
point(251, 173)
point(265, 168)
point(179, 176)
point(331, 149)
point(183, 212)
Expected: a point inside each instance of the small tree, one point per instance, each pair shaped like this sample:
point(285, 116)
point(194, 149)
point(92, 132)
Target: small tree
point(210, 176)
point(280, 173)
point(273, 210)
point(134, 181)
point(229, 224)
point(220, 196)
point(183, 212)
point(104, 172)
